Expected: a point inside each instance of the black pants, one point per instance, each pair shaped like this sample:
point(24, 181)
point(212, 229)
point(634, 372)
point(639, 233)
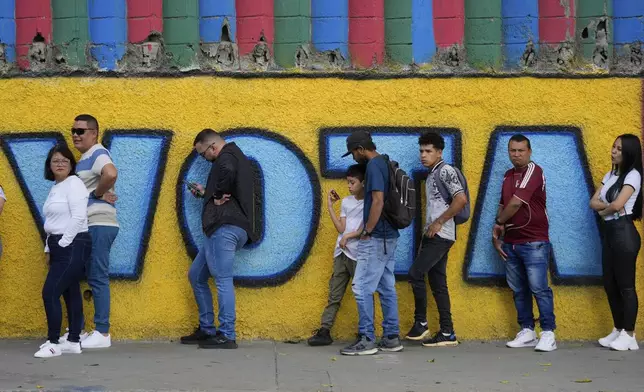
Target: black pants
point(432, 260)
point(621, 244)
point(66, 270)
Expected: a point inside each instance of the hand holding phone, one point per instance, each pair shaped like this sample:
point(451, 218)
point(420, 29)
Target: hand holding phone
point(195, 189)
point(333, 196)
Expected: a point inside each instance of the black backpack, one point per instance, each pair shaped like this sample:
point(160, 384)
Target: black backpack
point(400, 199)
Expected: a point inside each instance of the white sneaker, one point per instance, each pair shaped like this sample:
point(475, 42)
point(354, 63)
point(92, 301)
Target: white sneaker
point(63, 339)
point(546, 342)
point(70, 347)
point(624, 342)
point(525, 338)
point(607, 340)
point(97, 340)
point(48, 350)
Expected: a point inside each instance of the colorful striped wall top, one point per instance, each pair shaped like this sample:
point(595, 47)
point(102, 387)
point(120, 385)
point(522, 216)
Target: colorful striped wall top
point(282, 34)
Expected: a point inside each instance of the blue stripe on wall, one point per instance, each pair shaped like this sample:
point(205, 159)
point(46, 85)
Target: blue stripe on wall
point(212, 14)
point(330, 25)
point(107, 31)
point(8, 28)
point(628, 21)
point(140, 156)
point(423, 44)
point(520, 25)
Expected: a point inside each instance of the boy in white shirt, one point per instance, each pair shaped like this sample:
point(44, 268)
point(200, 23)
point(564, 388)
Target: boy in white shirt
point(349, 227)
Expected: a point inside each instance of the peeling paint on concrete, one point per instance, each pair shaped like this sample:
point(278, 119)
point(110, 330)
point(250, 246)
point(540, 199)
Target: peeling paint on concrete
point(566, 6)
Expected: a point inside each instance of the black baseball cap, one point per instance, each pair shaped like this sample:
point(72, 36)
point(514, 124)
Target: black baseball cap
point(358, 139)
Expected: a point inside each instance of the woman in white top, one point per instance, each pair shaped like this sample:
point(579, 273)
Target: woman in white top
point(619, 203)
point(68, 245)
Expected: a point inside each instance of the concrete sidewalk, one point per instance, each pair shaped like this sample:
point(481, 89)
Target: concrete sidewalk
point(271, 366)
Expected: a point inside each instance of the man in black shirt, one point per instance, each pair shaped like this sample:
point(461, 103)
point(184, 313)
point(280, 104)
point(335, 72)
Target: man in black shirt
point(228, 222)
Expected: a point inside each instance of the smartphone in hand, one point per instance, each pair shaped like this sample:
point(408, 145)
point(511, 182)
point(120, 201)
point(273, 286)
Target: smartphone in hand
point(194, 189)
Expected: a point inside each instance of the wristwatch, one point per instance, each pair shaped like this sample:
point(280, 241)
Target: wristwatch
point(365, 233)
point(92, 195)
point(498, 223)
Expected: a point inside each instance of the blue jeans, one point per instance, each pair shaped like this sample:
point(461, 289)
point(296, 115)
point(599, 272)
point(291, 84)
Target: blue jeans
point(216, 258)
point(98, 274)
point(375, 272)
point(526, 271)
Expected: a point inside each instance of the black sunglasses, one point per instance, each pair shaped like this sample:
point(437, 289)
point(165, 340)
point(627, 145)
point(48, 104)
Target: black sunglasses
point(79, 131)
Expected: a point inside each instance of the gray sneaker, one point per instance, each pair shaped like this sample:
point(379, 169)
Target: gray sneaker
point(362, 346)
point(390, 343)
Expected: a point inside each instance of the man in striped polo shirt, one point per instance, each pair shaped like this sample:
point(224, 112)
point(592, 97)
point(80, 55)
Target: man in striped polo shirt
point(520, 236)
point(99, 174)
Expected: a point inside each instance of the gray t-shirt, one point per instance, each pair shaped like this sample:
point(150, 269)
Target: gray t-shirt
point(436, 205)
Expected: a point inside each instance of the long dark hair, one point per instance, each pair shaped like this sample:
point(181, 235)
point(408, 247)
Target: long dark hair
point(631, 159)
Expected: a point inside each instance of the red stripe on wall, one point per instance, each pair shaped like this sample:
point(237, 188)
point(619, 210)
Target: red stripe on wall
point(556, 22)
point(143, 17)
point(32, 17)
point(366, 32)
point(449, 22)
point(254, 17)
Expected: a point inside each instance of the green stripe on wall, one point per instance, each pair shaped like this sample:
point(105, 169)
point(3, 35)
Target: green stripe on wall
point(292, 23)
point(70, 30)
point(587, 12)
point(483, 33)
point(398, 41)
point(181, 31)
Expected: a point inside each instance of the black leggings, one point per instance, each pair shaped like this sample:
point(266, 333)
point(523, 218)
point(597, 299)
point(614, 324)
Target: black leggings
point(66, 269)
point(621, 244)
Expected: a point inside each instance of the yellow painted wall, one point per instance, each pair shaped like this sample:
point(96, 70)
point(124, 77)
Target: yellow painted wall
point(161, 304)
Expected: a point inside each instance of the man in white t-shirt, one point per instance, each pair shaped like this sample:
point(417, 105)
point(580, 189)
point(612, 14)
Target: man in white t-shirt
point(99, 174)
point(349, 227)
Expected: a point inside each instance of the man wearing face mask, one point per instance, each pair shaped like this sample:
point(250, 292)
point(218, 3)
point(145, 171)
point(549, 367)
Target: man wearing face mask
point(228, 221)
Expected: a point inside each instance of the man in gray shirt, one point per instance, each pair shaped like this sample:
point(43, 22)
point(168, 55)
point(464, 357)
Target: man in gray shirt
point(438, 237)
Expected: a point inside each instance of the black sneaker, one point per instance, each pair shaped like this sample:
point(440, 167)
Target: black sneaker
point(197, 336)
point(218, 341)
point(322, 337)
point(418, 331)
point(441, 340)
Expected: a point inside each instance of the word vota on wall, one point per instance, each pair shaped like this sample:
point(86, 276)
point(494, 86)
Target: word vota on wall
point(288, 196)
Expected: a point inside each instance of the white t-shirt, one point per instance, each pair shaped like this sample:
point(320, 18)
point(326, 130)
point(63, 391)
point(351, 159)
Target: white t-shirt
point(66, 210)
point(352, 211)
point(633, 179)
point(436, 205)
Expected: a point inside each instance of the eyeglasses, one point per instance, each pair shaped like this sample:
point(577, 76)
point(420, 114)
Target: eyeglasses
point(203, 154)
point(61, 162)
point(79, 131)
